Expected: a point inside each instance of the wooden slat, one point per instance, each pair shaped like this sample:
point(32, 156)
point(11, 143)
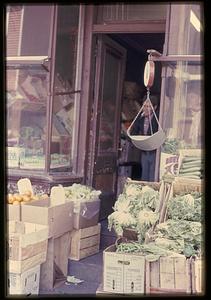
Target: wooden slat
point(155, 274)
point(61, 252)
point(90, 241)
point(85, 252)
point(20, 266)
point(47, 268)
point(56, 265)
point(166, 273)
point(181, 275)
point(147, 277)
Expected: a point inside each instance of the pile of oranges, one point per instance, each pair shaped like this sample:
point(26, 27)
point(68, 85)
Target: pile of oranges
point(17, 199)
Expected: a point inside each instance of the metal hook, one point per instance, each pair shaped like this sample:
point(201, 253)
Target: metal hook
point(148, 93)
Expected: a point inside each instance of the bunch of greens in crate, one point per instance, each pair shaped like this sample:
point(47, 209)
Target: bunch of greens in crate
point(135, 208)
point(171, 146)
point(186, 207)
point(180, 234)
point(182, 231)
point(80, 192)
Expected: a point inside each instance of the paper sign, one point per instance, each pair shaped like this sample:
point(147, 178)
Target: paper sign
point(57, 195)
point(24, 185)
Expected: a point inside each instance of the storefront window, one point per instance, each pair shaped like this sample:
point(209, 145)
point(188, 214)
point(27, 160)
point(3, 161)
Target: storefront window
point(183, 97)
point(26, 117)
point(42, 86)
point(183, 111)
point(64, 88)
point(185, 30)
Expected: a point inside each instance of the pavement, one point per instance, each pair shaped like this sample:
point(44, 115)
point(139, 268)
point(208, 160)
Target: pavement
point(89, 270)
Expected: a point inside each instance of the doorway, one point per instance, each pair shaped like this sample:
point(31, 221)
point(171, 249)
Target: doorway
point(109, 169)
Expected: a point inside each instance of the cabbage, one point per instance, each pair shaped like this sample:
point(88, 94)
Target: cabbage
point(81, 192)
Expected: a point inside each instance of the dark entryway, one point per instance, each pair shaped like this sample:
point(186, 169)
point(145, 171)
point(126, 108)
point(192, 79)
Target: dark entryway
point(118, 68)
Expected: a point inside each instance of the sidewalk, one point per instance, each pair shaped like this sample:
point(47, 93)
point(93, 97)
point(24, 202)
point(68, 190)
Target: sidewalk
point(89, 269)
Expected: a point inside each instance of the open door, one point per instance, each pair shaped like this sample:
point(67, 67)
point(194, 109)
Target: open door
point(105, 139)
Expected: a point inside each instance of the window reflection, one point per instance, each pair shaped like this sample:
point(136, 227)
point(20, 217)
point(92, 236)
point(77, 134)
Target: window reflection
point(107, 125)
point(183, 112)
point(64, 86)
point(26, 118)
point(185, 27)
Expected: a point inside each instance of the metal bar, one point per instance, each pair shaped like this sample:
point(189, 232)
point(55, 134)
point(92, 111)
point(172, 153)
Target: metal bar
point(66, 93)
point(170, 58)
point(26, 59)
point(148, 27)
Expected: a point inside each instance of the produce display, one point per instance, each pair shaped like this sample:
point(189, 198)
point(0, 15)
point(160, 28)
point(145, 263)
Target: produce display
point(18, 198)
point(137, 208)
point(170, 146)
point(81, 192)
point(192, 167)
point(180, 234)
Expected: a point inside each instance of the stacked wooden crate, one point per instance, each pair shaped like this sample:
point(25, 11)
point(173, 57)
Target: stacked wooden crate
point(85, 237)
point(27, 250)
point(85, 242)
point(59, 219)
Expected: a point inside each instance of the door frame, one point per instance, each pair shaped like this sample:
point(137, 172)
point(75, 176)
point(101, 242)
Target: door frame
point(87, 83)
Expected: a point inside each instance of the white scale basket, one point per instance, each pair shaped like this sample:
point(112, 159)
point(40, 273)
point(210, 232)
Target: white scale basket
point(155, 140)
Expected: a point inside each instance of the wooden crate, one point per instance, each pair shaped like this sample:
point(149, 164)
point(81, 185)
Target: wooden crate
point(13, 212)
point(55, 268)
point(168, 275)
point(26, 240)
point(181, 185)
point(86, 213)
point(85, 242)
point(25, 283)
point(27, 245)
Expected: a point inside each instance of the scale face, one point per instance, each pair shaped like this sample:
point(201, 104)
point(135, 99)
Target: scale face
point(149, 73)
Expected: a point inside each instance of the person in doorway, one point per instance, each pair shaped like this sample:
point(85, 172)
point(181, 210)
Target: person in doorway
point(146, 124)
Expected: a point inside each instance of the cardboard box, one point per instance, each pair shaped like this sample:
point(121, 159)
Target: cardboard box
point(86, 214)
point(59, 218)
point(85, 242)
point(13, 212)
point(123, 272)
point(26, 240)
point(25, 283)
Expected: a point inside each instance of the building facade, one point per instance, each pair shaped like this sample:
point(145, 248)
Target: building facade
point(74, 80)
